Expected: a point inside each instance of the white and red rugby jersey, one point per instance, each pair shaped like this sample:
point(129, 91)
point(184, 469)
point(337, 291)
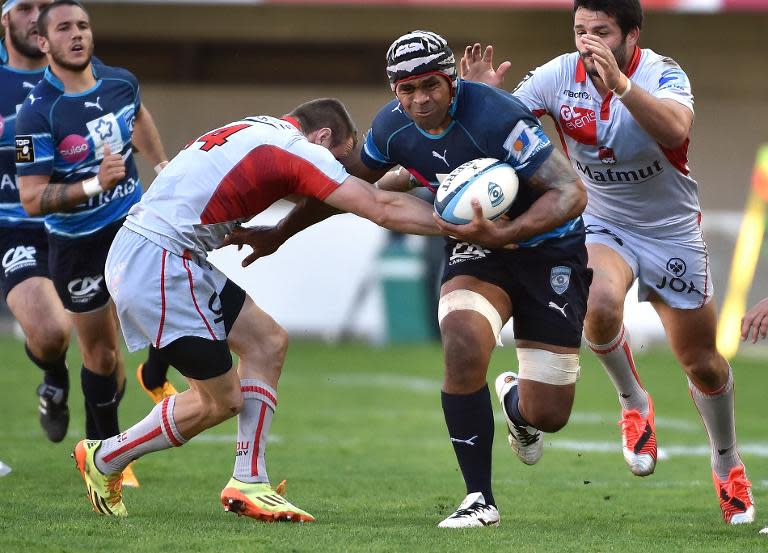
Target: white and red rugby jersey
point(630, 178)
point(226, 177)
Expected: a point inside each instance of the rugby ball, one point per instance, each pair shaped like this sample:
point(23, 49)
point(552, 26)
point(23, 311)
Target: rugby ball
point(493, 182)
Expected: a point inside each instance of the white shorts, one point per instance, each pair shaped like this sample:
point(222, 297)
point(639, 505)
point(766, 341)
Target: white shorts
point(160, 296)
point(676, 269)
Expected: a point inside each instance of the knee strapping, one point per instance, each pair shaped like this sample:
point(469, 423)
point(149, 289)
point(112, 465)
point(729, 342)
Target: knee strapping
point(471, 301)
point(548, 367)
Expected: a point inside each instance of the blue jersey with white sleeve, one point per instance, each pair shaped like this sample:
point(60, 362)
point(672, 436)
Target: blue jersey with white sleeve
point(63, 135)
point(486, 122)
point(15, 86)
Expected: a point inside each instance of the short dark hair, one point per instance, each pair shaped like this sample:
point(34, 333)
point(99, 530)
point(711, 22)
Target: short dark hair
point(627, 13)
point(326, 113)
point(42, 19)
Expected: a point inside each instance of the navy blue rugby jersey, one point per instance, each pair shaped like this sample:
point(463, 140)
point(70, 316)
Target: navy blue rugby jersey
point(15, 86)
point(63, 135)
point(487, 122)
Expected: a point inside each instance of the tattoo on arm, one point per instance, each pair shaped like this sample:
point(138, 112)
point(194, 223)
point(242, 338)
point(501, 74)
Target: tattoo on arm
point(555, 173)
point(53, 198)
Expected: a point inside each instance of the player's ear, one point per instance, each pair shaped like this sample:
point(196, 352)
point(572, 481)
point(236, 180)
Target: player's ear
point(633, 37)
point(42, 43)
point(325, 137)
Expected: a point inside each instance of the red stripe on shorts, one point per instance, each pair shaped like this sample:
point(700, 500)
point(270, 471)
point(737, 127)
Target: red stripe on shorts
point(162, 300)
point(194, 299)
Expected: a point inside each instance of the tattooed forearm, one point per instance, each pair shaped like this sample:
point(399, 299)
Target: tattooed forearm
point(54, 198)
point(556, 174)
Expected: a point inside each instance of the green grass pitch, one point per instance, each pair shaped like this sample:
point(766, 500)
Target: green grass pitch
point(359, 436)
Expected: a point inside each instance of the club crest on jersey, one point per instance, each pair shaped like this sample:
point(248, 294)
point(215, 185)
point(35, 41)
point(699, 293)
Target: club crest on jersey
point(607, 156)
point(105, 130)
point(25, 149)
point(525, 141)
point(560, 278)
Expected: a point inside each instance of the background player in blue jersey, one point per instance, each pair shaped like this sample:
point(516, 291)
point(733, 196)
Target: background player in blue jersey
point(74, 158)
point(24, 276)
point(436, 123)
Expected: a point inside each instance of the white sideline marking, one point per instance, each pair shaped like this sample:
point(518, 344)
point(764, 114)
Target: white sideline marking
point(432, 386)
point(756, 449)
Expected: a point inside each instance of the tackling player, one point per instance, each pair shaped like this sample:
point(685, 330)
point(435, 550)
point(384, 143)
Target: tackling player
point(168, 294)
point(24, 275)
point(625, 115)
point(435, 123)
point(75, 165)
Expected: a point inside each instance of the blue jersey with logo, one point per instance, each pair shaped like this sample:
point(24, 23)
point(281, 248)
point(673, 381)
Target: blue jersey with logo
point(486, 122)
point(15, 86)
point(63, 136)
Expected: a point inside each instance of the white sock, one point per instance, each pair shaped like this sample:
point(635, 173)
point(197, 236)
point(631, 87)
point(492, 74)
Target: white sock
point(155, 432)
point(616, 358)
point(253, 422)
point(716, 409)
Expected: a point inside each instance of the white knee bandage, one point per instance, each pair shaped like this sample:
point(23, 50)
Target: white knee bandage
point(547, 367)
point(471, 301)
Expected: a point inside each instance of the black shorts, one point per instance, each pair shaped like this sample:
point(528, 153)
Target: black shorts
point(77, 268)
point(548, 285)
point(24, 255)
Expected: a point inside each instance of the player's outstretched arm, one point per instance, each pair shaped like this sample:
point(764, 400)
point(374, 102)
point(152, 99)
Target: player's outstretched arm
point(392, 210)
point(146, 138)
point(563, 198)
point(265, 240)
point(477, 65)
point(755, 322)
point(39, 196)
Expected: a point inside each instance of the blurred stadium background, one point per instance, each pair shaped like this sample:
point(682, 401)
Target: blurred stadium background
point(202, 63)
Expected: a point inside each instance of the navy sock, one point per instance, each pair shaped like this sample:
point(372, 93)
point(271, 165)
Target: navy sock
point(56, 372)
point(155, 369)
point(102, 399)
point(470, 425)
point(512, 405)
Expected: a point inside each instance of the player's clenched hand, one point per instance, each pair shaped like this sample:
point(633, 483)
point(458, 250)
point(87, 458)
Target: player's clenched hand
point(263, 240)
point(477, 65)
point(755, 321)
point(111, 170)
point(605, 62)
point(479, 230)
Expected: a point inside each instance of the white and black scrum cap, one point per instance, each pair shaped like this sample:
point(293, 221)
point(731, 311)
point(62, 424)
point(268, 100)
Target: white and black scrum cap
point(418, 53)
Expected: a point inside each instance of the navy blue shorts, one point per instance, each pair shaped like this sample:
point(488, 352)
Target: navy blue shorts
point(77, 268)
point(548, 285)
point(24, 255)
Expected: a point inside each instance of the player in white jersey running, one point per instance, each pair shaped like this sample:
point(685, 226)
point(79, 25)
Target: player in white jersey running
point(169, 296)
point(624, 115)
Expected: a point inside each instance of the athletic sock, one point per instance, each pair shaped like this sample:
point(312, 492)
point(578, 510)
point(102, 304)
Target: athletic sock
point(155, 432)
point(253, 422)
point(616, 358)
point(102, 398)
point(55, 373)
point(512, 406)
point(154, 371)
point(469, 419)
point(716, 409)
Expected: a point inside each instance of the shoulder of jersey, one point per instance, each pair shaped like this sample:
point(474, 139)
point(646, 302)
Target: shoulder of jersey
point(111, 72)
point(391, 117)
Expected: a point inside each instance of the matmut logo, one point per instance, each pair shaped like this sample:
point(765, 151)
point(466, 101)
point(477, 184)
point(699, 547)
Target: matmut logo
point(579, 123)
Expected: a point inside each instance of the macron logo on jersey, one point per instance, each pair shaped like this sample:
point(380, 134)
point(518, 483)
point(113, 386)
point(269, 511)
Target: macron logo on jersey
point(524, 142)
